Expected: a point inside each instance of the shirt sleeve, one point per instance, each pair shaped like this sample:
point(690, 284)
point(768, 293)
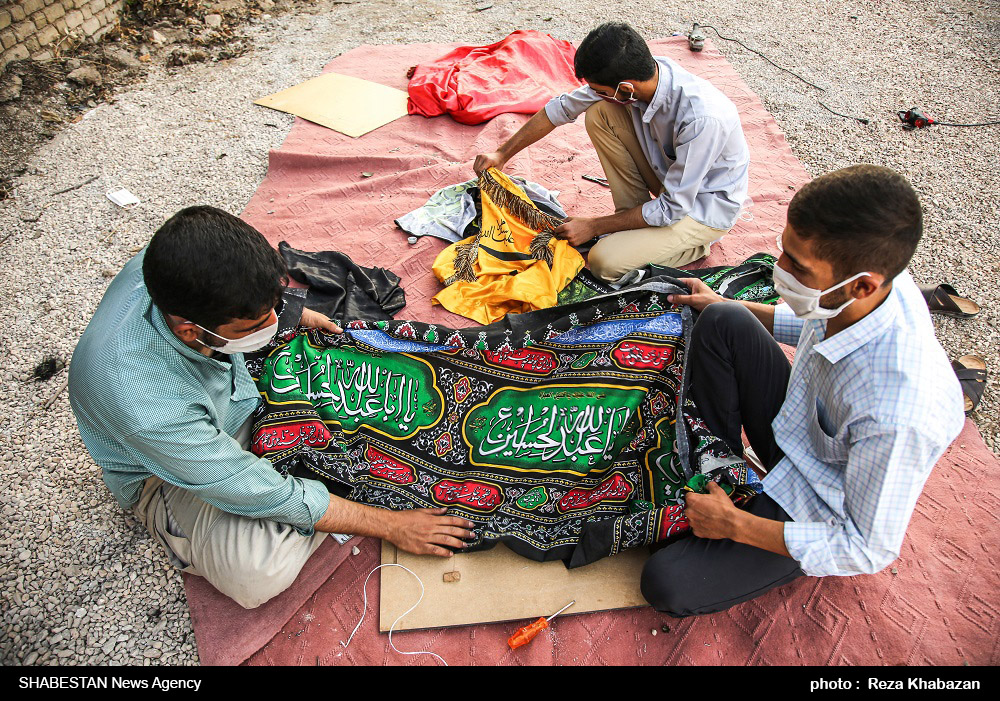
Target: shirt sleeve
point(565, 108)
point(885, 473)
point(698, 146)
point(787, 326)
point(192, 453)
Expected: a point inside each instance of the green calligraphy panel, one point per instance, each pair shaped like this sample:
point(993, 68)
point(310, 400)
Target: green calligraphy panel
point(394, 393)
point(553, 428)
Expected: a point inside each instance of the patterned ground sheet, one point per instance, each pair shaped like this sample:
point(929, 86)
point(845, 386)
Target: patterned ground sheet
point(554, 431)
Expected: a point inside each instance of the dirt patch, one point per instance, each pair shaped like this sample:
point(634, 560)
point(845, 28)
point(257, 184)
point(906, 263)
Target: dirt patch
point(38, 98)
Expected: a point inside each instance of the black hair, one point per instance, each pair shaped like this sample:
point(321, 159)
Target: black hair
point(861, 218)
point(210, 267)
point(612, 53)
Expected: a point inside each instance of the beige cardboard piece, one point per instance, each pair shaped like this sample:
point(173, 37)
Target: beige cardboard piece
point(497, 585)
point(349, 105)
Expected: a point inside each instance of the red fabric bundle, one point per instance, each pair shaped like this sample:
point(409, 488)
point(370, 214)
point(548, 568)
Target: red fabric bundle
point(476, 83)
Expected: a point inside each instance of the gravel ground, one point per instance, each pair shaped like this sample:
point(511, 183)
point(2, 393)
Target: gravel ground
point(81, 581)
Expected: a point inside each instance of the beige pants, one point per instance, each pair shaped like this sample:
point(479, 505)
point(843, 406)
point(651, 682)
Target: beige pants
point(632, 182)
point(249, 560)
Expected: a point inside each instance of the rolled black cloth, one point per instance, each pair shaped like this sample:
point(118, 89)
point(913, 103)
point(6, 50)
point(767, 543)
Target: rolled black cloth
point(340, 288)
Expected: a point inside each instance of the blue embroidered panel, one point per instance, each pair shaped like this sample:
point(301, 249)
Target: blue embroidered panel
point(666, 324)
point(383, 341)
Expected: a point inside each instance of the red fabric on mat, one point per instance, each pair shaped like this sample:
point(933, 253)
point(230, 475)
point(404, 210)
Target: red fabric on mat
point(943, 606)
point(473, 84)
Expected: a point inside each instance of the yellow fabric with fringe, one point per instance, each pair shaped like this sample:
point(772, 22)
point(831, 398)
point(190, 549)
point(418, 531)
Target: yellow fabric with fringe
point(513, 265)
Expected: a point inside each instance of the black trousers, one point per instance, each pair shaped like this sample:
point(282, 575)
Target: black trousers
point(738, 376)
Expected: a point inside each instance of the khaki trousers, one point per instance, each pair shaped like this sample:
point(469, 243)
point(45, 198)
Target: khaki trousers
point(632, 182)
point(249, 560)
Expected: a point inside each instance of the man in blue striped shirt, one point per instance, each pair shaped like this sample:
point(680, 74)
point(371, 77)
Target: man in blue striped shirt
point(162, 396)
point(849, 433)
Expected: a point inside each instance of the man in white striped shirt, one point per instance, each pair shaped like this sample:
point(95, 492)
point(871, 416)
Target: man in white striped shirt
point(849, 433)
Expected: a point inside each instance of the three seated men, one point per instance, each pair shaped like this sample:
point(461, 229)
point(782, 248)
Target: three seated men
point(849, 432)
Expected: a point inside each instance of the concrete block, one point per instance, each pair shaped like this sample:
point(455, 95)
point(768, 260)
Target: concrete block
point(54, 12)
point(47, 35)
point(97, 5)
point(17, 12)
point(23, 30)
point(32, 6)
point(31, 44)
point(39, 19)
point(74, 19)
point(87, 13)
point(17, 53)
point(91, 26)
point(7, 39)
point(5, 19)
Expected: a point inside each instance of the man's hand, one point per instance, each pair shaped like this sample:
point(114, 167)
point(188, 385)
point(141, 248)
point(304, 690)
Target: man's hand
point(485, 161)
point(712, 515)
point(701, 295)
point(315, 320)
point(424, 531)
point(577, 230)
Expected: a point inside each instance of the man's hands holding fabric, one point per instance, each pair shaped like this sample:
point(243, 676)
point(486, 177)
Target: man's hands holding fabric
point(485, 161)
point(315, 320)
point(425, 531)
point(577, 230)
point(712, 515)
point(701, 295)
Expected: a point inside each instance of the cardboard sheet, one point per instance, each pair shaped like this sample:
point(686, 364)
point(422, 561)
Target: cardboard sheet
point(346, 104)
point(497, 585)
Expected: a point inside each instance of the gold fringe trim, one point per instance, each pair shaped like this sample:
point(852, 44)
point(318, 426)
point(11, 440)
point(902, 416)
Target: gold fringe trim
point(466, 255)
point(525, 212)
point(539, 247)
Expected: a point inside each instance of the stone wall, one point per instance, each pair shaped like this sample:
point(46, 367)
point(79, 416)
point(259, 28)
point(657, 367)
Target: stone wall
point(34, 28)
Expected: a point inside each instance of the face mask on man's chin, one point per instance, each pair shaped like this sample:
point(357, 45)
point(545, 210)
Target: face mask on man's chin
point(805, 301)
point(247, 344)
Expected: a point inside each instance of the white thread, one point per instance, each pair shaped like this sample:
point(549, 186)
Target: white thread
point(364, 590)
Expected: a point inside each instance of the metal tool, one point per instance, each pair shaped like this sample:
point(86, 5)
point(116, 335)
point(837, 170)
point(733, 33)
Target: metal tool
point(524, 635)
point(914, 119)
point(696, 38)
point(595, 179)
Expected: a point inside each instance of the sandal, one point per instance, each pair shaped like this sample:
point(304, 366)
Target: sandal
point(943, 299)
point(971, 372)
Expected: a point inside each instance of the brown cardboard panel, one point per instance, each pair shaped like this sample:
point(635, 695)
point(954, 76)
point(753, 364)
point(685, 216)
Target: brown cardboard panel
point(497, 585)
point(349, 105)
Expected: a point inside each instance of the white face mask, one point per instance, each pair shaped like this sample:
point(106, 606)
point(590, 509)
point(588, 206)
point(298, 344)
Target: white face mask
point(247, 344)
point(804, 301)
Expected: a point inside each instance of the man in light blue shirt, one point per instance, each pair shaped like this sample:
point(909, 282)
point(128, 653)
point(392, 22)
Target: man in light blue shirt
point(849, 433)
point(162, 396)
point(659, 131)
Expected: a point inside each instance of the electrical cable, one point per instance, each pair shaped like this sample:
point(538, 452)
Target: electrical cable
point(950, 124)
point(846, 116)
point(861, 120)
point(763, 57)
point(364, 610)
